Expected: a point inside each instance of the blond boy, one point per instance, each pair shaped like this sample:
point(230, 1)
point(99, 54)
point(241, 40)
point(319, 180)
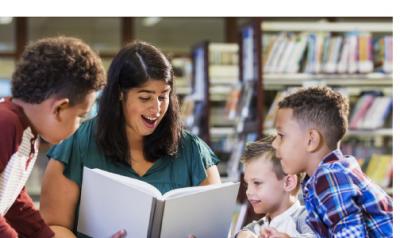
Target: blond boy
point(272, 192)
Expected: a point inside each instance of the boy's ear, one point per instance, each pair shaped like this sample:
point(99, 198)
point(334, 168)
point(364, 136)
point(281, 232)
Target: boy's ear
point(314, 140)
point(290, 183)
point(58, 105)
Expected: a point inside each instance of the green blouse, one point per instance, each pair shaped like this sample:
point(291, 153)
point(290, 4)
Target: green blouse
point(187, 168)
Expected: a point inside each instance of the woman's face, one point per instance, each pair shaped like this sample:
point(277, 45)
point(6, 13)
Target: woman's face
point(144, 107)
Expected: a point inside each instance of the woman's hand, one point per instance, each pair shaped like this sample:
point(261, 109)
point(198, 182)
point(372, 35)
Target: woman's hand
point(119, 234)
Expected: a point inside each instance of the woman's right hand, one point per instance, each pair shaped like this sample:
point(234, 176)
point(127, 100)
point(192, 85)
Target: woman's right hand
point(119, 234)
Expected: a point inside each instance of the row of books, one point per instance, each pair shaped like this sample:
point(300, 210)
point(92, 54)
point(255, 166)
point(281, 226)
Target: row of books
point(239, 102)
point(223, 54)
point(371, 111)
point(223, 63)
point(323, 52)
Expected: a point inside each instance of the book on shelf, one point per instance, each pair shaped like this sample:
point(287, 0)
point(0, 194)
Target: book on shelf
point(377, 113)
point(332, 56)
point(224, 74)
point(371, 111)
point(325, 52)
point(268, 43)
point(383, 54)
point(360, 110)
point(379, 169)
point(294, 61)
point(388, 60)
point(279, 51)
point(232, 102)
point(314, 57)
point(248, 54)
point(223, 53)
point(365, 61)
point(199, 77)
point(246, 96)
point(110, 202)
point(287, 54)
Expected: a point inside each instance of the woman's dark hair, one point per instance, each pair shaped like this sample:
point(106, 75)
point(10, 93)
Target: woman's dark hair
point(57, 66)
point(133, 66)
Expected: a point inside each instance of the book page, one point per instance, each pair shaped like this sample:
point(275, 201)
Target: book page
point(206, 213)
point(109, 203)
point(190, 190)
point(131, 182)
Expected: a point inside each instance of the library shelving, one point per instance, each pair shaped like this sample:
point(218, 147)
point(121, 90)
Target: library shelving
point(350, 55)
point(354, 57)
point(215, 71)
point(182, 66)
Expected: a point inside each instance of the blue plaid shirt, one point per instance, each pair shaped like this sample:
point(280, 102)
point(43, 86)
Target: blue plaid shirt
point(343, 202)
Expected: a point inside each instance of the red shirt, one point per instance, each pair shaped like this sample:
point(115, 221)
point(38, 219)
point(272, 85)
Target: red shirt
point(18, 152)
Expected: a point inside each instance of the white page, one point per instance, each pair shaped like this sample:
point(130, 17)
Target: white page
point(203, 214)
point(190, 190)
point(108, 206)
point(134, 183)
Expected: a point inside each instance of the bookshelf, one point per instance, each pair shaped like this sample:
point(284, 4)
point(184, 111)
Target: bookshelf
point(215, 71)
point(182, 66)
point(355, 83)
point(295, 45)
point(250, 113)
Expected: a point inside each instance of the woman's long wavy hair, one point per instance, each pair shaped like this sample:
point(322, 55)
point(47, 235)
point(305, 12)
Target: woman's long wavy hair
point(134, 65)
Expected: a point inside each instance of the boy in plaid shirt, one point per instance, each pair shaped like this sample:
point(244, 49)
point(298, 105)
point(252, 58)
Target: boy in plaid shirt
point(340, 199)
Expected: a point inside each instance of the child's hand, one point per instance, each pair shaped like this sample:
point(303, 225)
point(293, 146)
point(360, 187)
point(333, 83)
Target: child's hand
point(270, 232)
point(246, 234)
point(119, 234)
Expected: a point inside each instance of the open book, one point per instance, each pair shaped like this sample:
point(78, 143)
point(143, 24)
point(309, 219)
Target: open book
point(110, 202)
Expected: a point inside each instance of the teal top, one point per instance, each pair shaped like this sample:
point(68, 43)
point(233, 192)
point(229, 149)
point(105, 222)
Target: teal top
point(187, 168)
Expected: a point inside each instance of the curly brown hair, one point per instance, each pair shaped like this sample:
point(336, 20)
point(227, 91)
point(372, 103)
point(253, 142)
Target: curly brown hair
point(57, 66)
point(322, 108)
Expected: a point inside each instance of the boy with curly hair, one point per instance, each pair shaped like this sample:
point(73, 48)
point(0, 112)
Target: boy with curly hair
point(53, 87)
point(340, 199)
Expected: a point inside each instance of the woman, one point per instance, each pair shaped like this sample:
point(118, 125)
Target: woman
point(137, 133)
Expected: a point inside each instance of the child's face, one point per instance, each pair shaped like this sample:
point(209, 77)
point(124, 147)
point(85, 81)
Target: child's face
point(144, 107)
point(264, 191)
point(66, 121)
point(290, 143)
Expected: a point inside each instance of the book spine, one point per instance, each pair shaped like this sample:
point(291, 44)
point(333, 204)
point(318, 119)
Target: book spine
point(156, 218)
